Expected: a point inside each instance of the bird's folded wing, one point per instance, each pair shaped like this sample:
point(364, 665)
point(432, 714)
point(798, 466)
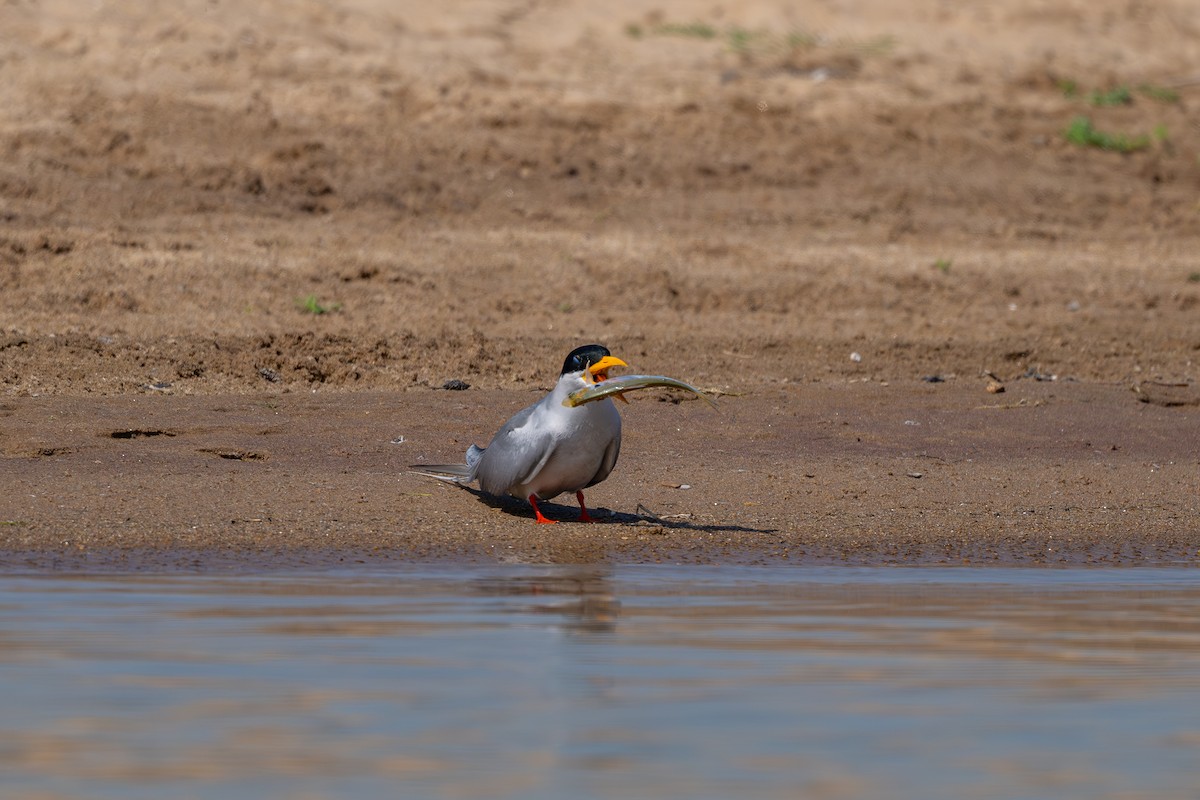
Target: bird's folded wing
point(516, 454)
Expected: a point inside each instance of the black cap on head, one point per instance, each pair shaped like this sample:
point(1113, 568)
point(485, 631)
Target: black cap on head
point(581, 358)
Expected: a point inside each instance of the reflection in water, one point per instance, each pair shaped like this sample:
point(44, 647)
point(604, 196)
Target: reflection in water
point(538, 683)
point(590, 606)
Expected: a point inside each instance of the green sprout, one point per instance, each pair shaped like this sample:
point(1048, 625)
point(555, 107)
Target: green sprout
point(743, 40)
point(1083, 133)
point(311, 305)
point(694, 30)
point(1162, 94)
point(749, 43)
point(801, 40)
point(1117, 96)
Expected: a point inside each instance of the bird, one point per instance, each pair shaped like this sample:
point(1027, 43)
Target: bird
point(549, 448)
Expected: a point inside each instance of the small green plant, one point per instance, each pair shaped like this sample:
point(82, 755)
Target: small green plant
point(1117, 96)
point(1069, 88)
point(694, 30)
point(943, 265)
point(801, 40)
point(876, 45)
point(743, 40)
point(311, 305)
point(757, 43)
point(1083, 133)
point(1193, 277)
point(1162, 94)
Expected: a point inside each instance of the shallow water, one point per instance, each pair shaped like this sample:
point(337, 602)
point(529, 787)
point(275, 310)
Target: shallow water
point(531, 682)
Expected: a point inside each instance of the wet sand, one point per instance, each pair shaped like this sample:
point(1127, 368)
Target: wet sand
point(242, 250)
point(860, 473)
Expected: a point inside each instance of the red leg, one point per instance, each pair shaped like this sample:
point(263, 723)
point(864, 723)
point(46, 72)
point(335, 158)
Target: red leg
point(538, 512)
point(583, 515)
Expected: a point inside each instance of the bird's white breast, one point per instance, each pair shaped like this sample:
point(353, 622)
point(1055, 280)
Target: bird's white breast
point(581, 437)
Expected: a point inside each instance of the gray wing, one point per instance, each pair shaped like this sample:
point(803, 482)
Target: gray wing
point(511, 459)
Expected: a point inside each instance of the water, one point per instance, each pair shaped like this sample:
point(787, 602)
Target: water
point(530, 682)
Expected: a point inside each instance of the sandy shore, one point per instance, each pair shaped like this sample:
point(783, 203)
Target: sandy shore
point(854, 473)
point(242, 250)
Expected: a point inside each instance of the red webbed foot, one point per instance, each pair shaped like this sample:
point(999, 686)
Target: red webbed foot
point(539, 517)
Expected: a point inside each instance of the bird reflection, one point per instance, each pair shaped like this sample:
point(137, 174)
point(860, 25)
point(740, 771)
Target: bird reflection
point(583, 597)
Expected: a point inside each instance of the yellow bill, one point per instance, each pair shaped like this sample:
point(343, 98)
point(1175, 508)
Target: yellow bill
point(599, 370)
point(629, 383)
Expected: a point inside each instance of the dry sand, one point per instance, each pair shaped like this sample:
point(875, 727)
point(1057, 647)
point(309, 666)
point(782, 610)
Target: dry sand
point(469, 192)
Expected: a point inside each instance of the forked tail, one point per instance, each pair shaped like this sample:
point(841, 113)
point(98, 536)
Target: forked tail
point(452, 473)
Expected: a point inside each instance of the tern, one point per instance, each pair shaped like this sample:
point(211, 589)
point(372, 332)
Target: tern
point(559, 444)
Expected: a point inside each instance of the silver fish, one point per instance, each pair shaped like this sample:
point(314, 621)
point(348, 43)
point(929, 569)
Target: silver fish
point(629, 383)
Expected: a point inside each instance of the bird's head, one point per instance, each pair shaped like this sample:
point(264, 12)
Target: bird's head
point(592, 361)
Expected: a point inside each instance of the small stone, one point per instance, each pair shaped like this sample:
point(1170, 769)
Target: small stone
point(456, 385)
point(856, 357)
point(995, 387)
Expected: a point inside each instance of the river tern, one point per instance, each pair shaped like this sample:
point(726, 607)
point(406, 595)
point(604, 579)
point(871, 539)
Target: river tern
point(551, 447)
